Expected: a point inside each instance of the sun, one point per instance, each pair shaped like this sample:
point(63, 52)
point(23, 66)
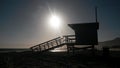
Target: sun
point(55, 21)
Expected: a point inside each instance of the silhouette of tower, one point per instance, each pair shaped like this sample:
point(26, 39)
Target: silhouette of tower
point(86, 33)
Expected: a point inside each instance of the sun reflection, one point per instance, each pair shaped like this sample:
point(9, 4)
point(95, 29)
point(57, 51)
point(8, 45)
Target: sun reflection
point(58, 50)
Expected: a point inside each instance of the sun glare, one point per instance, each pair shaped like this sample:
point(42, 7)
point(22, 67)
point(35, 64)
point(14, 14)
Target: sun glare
point(55, 21)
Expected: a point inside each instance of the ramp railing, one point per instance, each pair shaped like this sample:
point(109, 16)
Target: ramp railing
point(54, 43)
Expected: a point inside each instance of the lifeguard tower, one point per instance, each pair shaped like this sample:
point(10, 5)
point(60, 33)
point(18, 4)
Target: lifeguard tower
point(85, 34)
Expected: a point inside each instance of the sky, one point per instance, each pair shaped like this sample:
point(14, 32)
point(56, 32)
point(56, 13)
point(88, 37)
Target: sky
point(24, 23)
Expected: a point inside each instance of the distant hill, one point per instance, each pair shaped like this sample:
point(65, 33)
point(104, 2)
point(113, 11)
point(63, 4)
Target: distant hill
point(115, 43)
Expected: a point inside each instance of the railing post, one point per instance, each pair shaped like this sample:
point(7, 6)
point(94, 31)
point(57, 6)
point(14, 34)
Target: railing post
point(60, 41)
point(36, 49)
point(51, 43)
point(66, 39)
point(44, 46)
point(56, 41)
point(32, 48)
point(39, 48)
point(48, 44)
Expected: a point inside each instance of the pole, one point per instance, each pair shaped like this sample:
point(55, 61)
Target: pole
point(96, 14)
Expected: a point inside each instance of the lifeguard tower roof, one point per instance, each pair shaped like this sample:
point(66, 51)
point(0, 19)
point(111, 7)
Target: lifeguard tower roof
point(86, 33)
point(78, 26)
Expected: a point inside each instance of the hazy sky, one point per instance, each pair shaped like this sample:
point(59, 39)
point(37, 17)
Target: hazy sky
point(24, 23)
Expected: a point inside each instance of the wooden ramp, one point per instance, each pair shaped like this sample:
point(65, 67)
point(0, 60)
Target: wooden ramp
point(54, 43)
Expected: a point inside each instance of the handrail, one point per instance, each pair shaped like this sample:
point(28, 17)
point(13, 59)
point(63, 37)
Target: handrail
point(69, 38)
point(68, 35)
point(45, 42)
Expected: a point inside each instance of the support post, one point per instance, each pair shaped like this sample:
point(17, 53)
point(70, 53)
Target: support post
point(93, 50)
point(70, 48)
